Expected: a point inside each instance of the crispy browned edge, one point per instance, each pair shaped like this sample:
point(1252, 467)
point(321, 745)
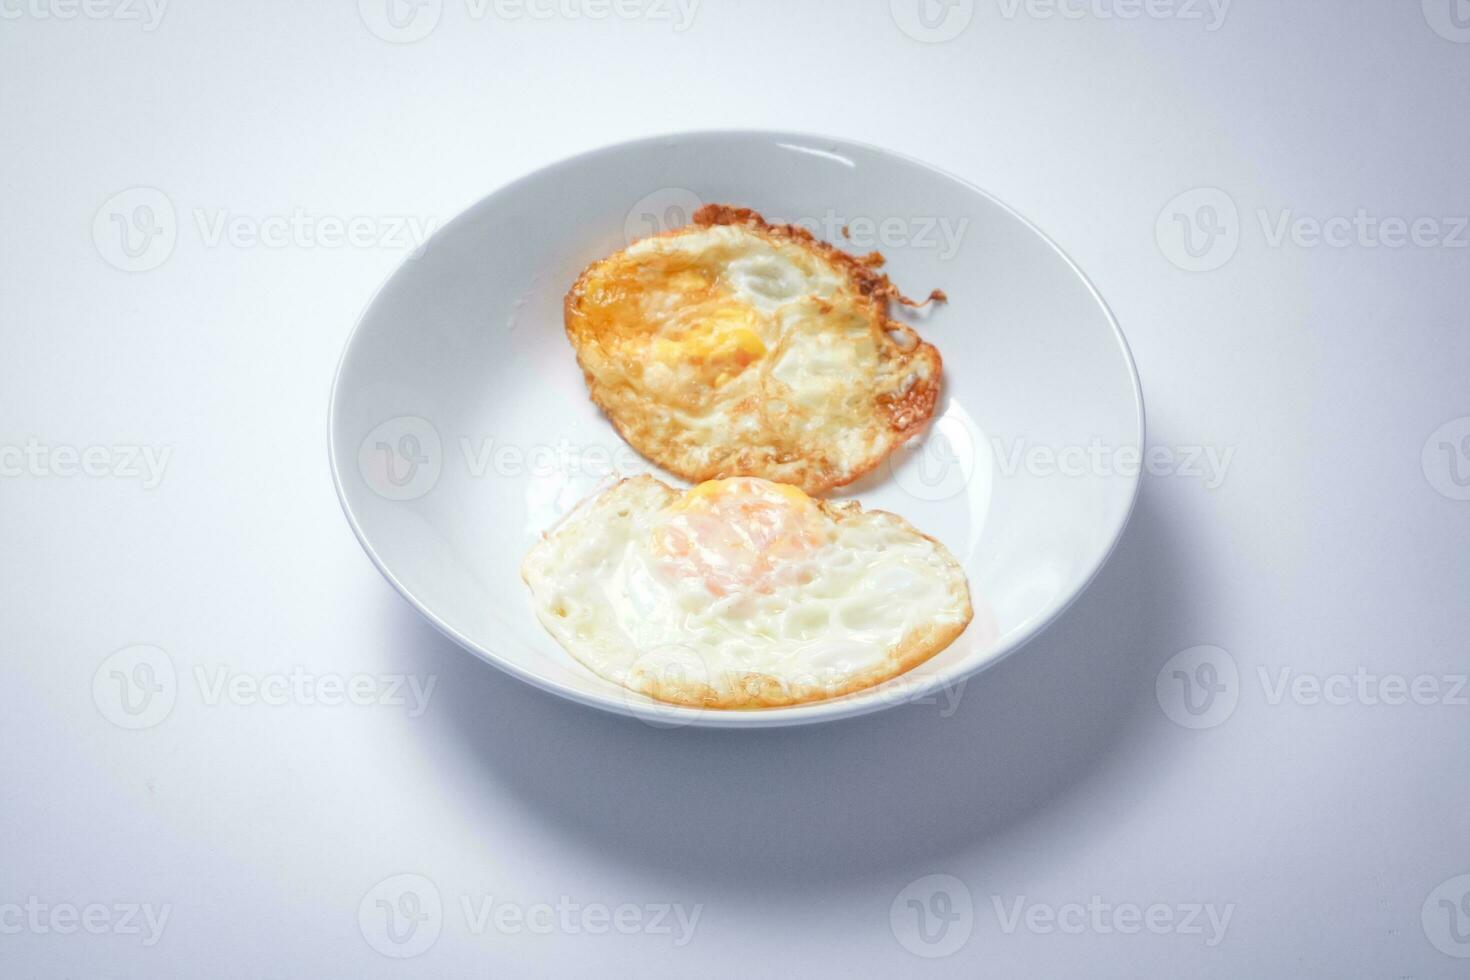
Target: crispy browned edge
point(755, 690)
point(907, 415)
point(752, 691)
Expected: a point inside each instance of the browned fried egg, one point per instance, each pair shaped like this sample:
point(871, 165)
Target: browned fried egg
point(733, 347)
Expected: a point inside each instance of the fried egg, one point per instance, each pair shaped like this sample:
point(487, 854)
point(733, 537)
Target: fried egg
point(742, 593)
point(734, 347)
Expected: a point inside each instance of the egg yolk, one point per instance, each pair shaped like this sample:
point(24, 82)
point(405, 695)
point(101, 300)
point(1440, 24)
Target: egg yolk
point(722, 340)
point(678, 312)
point(739, 535)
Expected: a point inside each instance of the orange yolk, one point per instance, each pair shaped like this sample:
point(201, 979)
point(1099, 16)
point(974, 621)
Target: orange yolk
point(678, 313)
point(739, 535)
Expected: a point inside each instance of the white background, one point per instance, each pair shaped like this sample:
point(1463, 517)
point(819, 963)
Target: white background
point(1327, 549)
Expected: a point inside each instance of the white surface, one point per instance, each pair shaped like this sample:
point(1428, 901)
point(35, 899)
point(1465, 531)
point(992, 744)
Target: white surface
point(460, 370)
point(1334, 830)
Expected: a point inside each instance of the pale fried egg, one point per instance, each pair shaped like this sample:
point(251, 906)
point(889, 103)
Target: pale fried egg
point(733, 347)
point(743, 593)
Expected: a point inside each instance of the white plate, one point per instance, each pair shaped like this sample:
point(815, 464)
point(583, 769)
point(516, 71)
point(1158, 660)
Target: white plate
point(460, 426)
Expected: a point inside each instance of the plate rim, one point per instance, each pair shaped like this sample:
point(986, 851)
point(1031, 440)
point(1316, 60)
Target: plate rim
point(671, 716)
